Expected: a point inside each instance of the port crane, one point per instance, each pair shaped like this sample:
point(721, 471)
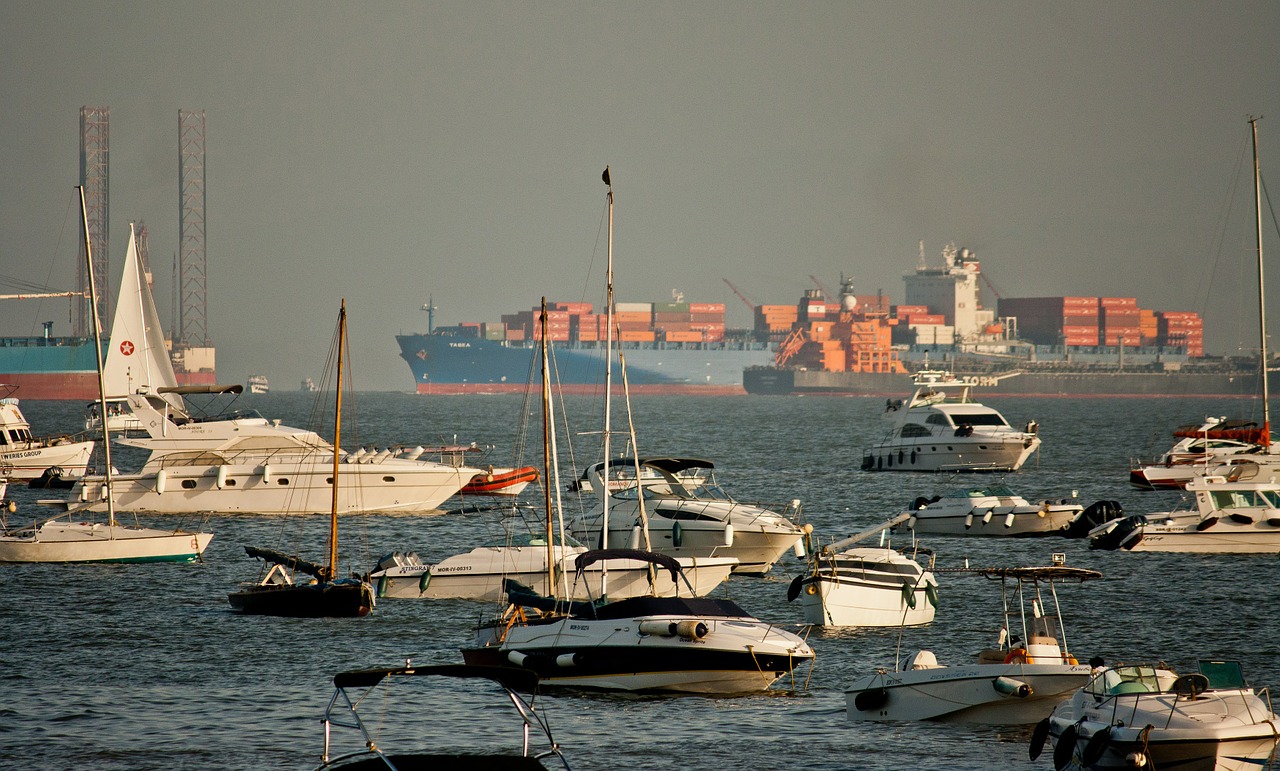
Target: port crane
point(740, 295)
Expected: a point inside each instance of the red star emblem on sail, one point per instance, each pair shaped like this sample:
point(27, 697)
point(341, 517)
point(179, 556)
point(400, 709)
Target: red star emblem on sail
point(126, 347)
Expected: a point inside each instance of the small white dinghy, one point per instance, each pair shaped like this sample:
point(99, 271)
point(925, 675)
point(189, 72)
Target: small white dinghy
point(866, 586)
point(1015, 683)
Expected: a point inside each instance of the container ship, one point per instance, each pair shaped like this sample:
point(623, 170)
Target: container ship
point(1037, 346)
point(848, 344)
point(669, 348)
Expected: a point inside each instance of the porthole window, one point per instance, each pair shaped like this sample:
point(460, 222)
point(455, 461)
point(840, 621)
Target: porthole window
point(388, 479)
point(282, 481)
point(188, 484)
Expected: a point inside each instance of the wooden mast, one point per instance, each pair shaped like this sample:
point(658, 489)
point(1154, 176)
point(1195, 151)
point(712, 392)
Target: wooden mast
point(1262, 294)
point(331, 568)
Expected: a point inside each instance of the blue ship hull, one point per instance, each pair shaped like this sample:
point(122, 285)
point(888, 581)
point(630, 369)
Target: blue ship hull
point(453, 364)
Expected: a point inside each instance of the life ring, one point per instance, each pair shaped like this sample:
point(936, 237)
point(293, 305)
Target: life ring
point(1017, 656)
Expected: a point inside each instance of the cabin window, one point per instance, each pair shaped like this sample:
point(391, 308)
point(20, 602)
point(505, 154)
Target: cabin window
point(686, 516)
point(937, 420)
point(3, 438)
point(912, 430)
point(188, 484)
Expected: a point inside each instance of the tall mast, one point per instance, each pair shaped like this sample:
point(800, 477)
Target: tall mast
point(1262, 293)
point(332, 568)
point(547, 478)
point(608, 390)
point(97, 350)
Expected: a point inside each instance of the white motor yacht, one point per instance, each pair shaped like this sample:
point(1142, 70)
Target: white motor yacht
point(689, 515)
point(1148, 716)
point(25, 456)
point(1017, 682)
point(995, 510)
point(236, 461)
point(667, 644)
point(940, 428)
point(484, 573)
point(1230, 517)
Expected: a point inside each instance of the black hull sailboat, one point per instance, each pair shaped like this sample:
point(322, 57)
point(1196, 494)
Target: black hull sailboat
point(276, 593)
point(348, 597)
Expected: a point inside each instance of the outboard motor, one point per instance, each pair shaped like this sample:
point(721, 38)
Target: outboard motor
point(53, 477)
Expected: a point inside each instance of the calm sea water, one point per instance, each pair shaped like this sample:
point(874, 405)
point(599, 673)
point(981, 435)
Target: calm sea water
point(143, 666)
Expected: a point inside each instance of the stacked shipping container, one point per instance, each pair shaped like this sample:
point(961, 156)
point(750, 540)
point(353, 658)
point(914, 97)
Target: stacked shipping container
point(633, 322)
point(1103, 321)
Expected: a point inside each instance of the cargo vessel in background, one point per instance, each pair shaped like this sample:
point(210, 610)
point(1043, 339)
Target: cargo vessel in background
point(1037, 346)
point(49, 367)
point(850, 344)
point(670, 348)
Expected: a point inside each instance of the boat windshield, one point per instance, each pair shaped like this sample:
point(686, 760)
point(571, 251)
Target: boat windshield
point(708, 491)
point(651, 491)
point(1126, 679)
point(978, 419)
point(1224, 675)
point(526, 539)
point(997, 491)
point(1246, 499)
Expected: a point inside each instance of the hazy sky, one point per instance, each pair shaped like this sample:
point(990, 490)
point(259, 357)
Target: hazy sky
point(388, 152)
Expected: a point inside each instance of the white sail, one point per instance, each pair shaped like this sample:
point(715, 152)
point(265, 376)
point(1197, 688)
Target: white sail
point(137, 359)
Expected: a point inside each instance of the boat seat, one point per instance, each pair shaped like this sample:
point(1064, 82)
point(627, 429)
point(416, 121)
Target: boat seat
point(923, 660)
point(991, 656)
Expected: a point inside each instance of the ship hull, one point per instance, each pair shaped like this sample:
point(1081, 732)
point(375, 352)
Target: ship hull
point(49, 368)
point(776, 381)
point(444, 364)
point(61, 368)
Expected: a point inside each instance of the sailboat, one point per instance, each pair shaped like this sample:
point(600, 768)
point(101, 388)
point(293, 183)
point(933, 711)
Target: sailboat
point(68, 537)
point(1236, 498)
point(277, 593)
point(672, 644)
point(138, 361)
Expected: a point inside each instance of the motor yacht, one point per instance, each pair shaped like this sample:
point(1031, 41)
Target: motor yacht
point(689, 515)
point(941, 428)
point(995, 510)
point(682, 644)
point(1148, 716)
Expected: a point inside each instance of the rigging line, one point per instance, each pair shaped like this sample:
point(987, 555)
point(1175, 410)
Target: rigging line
point(595, 251)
